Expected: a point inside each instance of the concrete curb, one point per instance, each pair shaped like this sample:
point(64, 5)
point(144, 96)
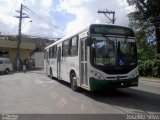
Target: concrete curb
point(150, 79)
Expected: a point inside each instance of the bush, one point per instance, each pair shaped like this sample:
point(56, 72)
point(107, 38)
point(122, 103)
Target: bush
point(149, 68)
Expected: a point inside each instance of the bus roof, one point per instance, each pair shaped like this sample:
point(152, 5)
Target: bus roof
point(66, 37)
point(85, 28)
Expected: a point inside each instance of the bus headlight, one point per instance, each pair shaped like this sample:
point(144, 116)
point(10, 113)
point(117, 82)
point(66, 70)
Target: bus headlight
point(134, 74)
point(96, 75)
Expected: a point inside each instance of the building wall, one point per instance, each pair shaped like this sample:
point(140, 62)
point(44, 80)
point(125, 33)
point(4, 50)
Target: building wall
point(39, 59)
point(27, 48)
point(24, 53)
point(12, 55)
point(13, 44)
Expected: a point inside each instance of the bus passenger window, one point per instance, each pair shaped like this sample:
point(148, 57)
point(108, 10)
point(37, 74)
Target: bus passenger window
point(65, 48)
point(74, 46)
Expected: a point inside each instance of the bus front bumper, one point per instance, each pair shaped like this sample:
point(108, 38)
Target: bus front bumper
point(96, 84)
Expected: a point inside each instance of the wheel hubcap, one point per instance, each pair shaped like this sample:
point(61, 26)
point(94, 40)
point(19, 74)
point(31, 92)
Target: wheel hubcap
point(7, 71)
point(74, 82)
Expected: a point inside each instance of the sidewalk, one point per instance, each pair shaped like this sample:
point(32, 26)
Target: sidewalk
point(151, 79)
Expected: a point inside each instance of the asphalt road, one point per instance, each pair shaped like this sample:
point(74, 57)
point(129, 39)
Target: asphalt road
point(33, 92)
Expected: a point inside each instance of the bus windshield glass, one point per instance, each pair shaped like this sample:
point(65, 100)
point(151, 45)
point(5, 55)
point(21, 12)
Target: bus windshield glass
point(116, 50)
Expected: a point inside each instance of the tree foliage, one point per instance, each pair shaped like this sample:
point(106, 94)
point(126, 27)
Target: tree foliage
point(149, 62)
point(146, 15)
point(146, 20)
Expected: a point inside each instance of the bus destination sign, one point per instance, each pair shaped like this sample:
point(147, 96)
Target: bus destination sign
point(111, 30)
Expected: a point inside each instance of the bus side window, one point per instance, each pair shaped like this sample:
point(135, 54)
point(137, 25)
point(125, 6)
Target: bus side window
point(50, 52)
point(65, 48)
point(54, 51)
point(74, 46)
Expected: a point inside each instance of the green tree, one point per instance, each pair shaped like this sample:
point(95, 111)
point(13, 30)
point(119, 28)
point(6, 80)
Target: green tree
point(149, 63)
point(146, 15)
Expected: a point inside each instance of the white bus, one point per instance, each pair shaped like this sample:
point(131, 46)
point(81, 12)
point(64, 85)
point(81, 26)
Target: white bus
point(96, 57)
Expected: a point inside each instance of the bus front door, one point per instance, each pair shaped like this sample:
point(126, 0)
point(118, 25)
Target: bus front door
point(83, 62)
point(59, 63)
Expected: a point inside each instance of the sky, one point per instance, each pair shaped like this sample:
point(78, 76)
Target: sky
point(57, 18)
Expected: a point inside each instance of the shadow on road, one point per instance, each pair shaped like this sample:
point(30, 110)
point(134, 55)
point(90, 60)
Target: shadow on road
point(4, 74)
point(125, 97)
point(32, 70)
point(39, 70)
point(128, 98)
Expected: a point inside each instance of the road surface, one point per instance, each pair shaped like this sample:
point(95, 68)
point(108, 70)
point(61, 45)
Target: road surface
point(35, 93)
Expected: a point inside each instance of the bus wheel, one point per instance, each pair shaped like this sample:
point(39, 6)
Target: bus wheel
point(6, 71)
point(73, 79)
point(51, 73)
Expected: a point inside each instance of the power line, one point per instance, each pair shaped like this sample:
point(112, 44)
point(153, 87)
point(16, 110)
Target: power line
point(105, 12)
point(29, 4)
point(113, 5)
point(13, 3)
point(42, 18)
point(116, 5)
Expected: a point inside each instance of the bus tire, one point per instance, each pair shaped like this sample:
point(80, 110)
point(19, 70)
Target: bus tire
point(6, 71)
point(51, 73)
point(73, 81)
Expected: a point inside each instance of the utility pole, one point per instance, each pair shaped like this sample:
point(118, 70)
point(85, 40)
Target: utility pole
point(105, 12)
point(19, 38)
point(21, 15)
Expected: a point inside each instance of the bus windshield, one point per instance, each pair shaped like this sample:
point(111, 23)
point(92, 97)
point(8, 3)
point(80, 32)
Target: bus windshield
point(107, 50)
